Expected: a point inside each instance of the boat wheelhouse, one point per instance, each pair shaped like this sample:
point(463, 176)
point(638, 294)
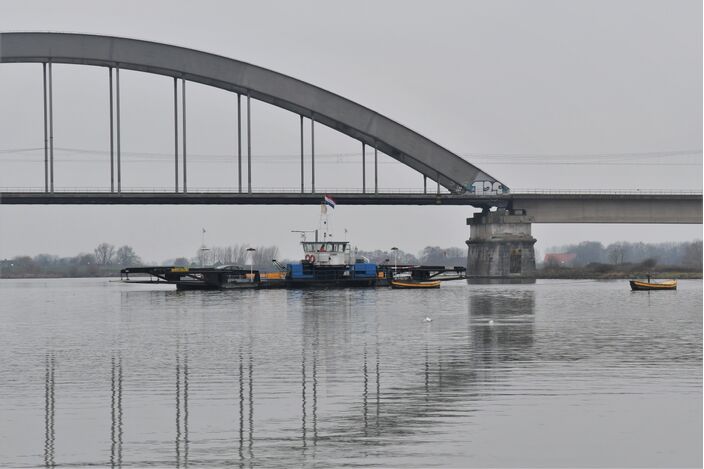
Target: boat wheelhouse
point(328, 253)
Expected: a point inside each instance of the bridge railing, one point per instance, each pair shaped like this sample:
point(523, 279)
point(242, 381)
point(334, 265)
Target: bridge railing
point(352, 190)
point(607, 191)
point(230, 190)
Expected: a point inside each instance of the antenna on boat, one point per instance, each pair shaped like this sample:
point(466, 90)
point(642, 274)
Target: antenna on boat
point(303, 233)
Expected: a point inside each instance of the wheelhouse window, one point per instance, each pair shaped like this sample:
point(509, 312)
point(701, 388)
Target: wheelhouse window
point(324, 247)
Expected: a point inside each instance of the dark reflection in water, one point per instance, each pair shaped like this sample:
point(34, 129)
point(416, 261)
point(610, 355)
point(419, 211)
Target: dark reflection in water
point(309, 346)
point(378, 389)
point(500, 329)
point(250, 376)
point(49, 410)
point(245, 380)
point(366, 391)
point(241, 402)
point(443, 381)
point(116, 411)
point(460, 390)
point(304, 379)
point(181, 404)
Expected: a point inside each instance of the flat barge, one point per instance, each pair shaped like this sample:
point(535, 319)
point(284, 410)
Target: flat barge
point(328, 264)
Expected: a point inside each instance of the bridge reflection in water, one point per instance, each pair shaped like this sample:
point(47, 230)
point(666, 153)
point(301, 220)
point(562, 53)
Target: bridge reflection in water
point(421, 386)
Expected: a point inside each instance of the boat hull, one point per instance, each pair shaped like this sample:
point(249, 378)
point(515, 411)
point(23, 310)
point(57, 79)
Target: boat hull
point(649, 286)
point(301, 275)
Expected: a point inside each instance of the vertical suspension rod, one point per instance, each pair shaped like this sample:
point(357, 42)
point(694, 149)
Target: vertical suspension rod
point(249, 145)
point(239, 141)
point(175, 134)
point(302, 166)
point(183, 117)
point(117, 129)
point(46, 135)
point(312, 154)
point(376, 171)
point(364, 168)
point(51, 131)
point(112, 139)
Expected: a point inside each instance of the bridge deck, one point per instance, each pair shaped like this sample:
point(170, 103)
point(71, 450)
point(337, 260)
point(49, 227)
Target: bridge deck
point(546, 207)
point(637, 207)
point(235, 198)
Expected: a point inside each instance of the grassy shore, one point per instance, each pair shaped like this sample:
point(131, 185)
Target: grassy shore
point(618, 272)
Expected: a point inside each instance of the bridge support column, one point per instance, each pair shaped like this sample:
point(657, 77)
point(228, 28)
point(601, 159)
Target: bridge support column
point(500, 248)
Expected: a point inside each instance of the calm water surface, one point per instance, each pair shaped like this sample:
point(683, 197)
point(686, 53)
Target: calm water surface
point(561, 373)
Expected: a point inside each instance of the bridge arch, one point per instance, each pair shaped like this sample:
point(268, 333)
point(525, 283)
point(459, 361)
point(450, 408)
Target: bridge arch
point(305, 99)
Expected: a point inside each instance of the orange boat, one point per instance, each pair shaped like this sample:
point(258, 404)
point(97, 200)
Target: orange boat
point(637, 285)
point(414, 284)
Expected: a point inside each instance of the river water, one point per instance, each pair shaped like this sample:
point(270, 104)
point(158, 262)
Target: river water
point(560, 373)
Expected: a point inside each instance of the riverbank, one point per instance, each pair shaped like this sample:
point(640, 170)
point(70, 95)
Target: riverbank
point(584, 273)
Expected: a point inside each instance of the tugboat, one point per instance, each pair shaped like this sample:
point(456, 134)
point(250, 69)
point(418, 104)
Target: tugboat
point(332, 264)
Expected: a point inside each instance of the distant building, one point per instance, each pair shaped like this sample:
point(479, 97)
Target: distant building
point(560, 258)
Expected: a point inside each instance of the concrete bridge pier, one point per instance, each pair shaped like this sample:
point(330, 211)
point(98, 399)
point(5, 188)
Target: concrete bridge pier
point(500, 248)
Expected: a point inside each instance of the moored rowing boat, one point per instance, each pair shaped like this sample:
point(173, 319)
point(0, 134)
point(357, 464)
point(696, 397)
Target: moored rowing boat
point(637, 285)
point(414, 284)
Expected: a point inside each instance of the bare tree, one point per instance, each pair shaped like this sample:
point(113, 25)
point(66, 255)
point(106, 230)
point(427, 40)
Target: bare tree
point(104, 253)
point(126, 256)
point(617, 253)
point(237, 254)
point(264, 255)
point(222, 255)
point(693, 254)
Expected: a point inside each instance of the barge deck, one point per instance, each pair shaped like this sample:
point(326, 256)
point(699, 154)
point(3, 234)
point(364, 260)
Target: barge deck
point(303, 275)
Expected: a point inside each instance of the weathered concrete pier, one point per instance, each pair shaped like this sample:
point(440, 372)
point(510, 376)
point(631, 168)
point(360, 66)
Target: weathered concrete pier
point(500, 248)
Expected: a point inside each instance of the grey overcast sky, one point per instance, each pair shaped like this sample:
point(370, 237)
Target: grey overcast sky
point(540, 94)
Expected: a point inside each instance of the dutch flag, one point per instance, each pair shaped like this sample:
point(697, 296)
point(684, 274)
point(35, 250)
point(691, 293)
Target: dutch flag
point(328, 201)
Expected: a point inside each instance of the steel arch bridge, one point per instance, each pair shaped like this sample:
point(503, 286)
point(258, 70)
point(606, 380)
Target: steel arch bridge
point(372, 129)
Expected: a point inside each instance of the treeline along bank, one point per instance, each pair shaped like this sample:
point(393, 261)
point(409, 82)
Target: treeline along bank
point(588, 259)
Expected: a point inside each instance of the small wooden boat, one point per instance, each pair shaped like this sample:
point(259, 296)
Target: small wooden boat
point(414, 284)
point(637, 285)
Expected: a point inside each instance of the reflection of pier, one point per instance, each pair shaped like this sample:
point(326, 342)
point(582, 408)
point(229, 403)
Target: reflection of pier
point(49, 410)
